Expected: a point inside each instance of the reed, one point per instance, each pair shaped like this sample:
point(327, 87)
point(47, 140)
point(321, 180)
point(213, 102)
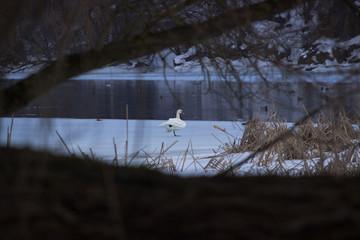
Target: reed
point(127, 135)
point(9, 132)
point(327, 146)
point(72, 154)
point(116, 161)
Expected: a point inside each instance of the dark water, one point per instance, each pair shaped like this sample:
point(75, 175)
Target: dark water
point(153, 99)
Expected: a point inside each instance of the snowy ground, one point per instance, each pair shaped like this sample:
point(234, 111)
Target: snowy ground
point(41, 134)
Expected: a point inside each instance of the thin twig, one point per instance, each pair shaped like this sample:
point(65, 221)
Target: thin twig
point(67, 148)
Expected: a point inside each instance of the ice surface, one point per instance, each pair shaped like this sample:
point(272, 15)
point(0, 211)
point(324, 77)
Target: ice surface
point(200, 139)
point(40, 134)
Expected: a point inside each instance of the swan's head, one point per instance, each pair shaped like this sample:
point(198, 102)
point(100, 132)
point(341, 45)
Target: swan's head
point(178, 112)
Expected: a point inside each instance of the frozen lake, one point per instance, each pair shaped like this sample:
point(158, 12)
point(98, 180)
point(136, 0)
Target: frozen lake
point(72, 109)
point(220, 101)
point(199, 137)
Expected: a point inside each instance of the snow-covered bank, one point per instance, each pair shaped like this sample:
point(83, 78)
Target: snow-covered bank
point(318, 73)
point(321, 73)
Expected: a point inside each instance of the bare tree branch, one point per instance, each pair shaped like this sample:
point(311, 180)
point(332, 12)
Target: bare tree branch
point(352, 6)
point(37, 84)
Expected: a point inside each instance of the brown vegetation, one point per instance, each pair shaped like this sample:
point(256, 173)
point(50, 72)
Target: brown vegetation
point(330, 144)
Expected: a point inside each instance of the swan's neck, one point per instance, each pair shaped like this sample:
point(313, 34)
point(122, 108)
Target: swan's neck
point(177, 114)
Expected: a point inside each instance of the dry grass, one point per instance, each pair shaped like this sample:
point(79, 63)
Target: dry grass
point(153, 160)
point(169, 164)
point(329, 145)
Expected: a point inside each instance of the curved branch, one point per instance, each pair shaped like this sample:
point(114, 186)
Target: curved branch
point(69, 66)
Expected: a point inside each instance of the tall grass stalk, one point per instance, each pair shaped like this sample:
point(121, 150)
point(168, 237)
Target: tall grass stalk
point(9, 132)
point(127, 134)
point(115, 161)
point(184, 157)
point(64, 143)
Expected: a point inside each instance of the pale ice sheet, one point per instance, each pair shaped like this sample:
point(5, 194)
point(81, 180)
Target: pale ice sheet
point(200, 138)
point(40, 134)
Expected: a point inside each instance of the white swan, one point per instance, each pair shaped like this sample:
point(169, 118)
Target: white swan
point(174, 124)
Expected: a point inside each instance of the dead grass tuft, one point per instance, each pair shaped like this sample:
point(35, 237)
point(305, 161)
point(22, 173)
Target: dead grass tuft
point(328, 145)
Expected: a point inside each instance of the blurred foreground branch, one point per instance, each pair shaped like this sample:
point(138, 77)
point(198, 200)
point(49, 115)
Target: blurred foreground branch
point(47, 197)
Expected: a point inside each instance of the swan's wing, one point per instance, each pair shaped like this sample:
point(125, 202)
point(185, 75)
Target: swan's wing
point(164, 124)
point(173, 124)
point(176, 123)
point(171, 121)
